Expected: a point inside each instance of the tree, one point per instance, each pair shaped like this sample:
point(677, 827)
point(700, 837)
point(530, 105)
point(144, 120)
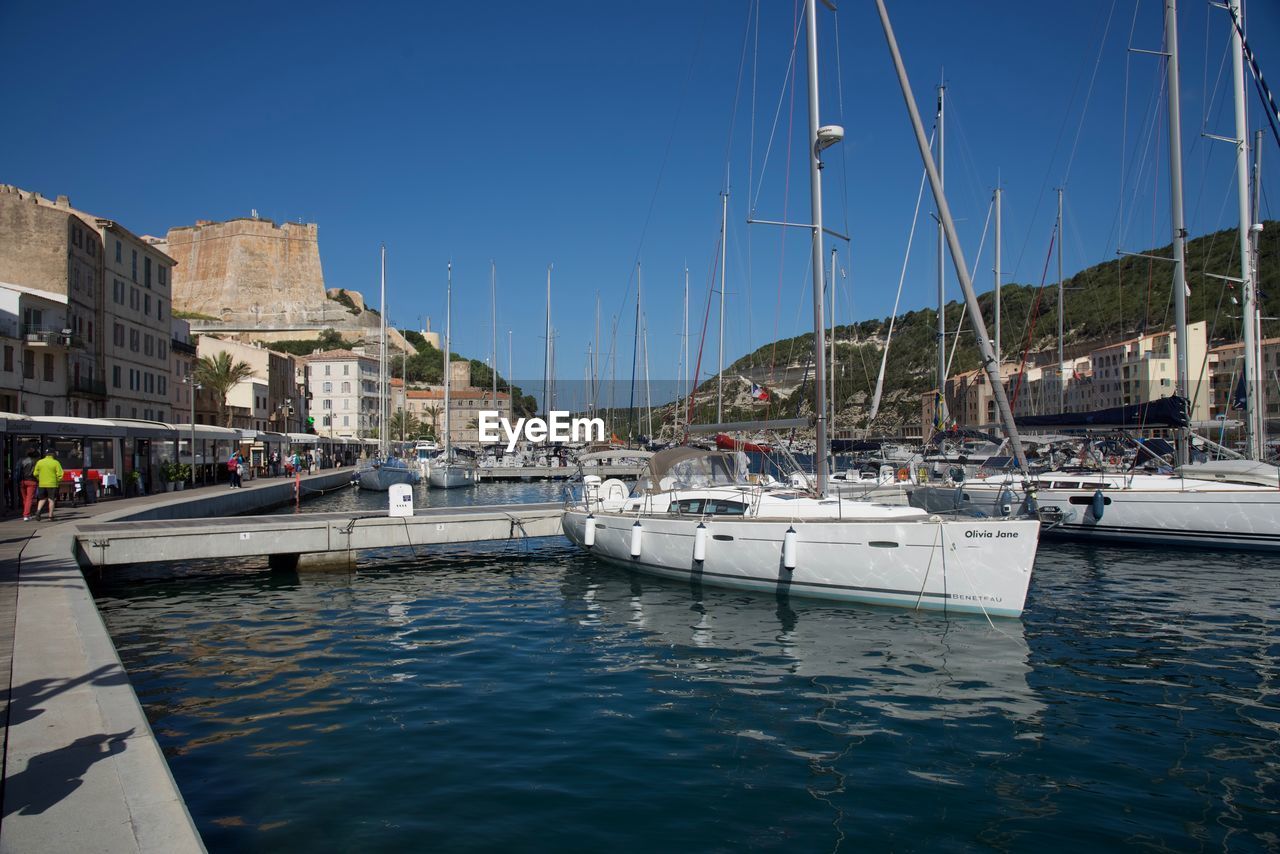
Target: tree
point(219, 373)
point(435, 410)
point(404, 425)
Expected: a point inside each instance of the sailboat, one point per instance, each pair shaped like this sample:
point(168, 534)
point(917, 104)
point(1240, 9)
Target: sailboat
point(384, 471)
point(695, 515)
point(1230, 504)
point(449, 470)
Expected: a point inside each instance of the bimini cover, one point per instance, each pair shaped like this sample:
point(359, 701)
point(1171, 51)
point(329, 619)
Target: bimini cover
point(686, 468)
point(1165, 412)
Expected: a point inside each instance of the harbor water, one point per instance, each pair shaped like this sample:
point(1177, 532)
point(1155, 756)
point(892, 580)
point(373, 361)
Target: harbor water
point(524, 696)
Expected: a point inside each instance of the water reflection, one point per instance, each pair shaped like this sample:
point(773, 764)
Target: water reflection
point(904, 665)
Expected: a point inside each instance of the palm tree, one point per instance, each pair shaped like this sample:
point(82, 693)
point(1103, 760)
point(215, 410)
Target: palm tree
point(435, 410)
point(219, 373)
point(403, 424)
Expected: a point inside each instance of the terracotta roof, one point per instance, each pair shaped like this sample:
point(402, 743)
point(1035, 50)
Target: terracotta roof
point(336, 355)
point(454, 394)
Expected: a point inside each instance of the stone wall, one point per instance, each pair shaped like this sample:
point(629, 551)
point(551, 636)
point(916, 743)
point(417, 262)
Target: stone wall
point(249, 270)
point(34, 242)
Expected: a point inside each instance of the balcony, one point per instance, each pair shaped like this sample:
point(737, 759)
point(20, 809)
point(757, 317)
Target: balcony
point(40, 336)
point(183, 347)
point(88, 387)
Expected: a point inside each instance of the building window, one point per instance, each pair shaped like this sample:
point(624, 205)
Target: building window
point(326, 404)
point(48, 367)
point(48, 407)
point(118, 335)
point(164, 275)
point(346, 388)
point(346, 422)
point(135, 265)
point(134, 340)
point(146, 271)
point(162, 349)
point(346, 370)
point(90, 330)
point(326, 370)
point(160, 307)
point(117, 261)
point(146, 303)
point(8, 358)
point(115, 381)
point(28, 364)
point(327, 388)
point(148, 345)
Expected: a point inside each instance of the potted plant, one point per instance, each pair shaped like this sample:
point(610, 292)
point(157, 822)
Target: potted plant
point(184, 475)
point(133, 483)
point(169, 474)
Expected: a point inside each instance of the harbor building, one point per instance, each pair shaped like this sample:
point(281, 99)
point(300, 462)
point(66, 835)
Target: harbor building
point(33, 374)
point(271, 398)
point(117, 330)
point(48, 247)
point(1135, 370)
point(465, 404)
point(344, 393)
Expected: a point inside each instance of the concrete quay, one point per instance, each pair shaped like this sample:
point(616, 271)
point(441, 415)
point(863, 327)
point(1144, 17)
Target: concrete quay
point(81, 768)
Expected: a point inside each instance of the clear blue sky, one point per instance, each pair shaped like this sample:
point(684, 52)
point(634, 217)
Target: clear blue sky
point(595, 134)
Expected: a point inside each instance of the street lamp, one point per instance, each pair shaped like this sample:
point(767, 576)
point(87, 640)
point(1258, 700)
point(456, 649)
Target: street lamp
point(189, 379)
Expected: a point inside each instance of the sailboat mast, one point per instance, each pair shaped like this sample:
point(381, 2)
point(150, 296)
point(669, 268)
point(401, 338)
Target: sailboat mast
point(941, 415)
point(1255, 235)
point(684, 378)
point(493, 322)
point(724, 240)
point(831, 347)
point(448, 332)
point(1248, 310)
point(382, 355)
point(997, 276)
point(1062, 368)
point(989, 362)
point(546, 354)
point(1183, 381)
point(815, 205)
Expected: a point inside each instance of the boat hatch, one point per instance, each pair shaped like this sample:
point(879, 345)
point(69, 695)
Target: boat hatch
point(1087, 499)
point(883, 544)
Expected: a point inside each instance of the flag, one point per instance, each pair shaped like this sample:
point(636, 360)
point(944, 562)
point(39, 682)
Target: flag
point(1239, 396)
point(759, 392)
point(939, 413)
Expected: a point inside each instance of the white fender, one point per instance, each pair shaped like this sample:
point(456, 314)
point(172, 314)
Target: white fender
point(789, 548)
point(589, 533)
point(700, 543)
point(637, 533)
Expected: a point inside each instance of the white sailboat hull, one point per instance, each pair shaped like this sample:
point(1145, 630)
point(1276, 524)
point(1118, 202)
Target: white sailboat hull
point(1144, 509)
point(974, 566)
point(380, 478)
point(451, 476)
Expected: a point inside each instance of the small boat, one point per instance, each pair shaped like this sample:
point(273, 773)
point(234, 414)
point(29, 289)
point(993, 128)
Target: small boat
point(726, 442)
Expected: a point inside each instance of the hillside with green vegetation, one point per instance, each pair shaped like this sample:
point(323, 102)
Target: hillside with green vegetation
point(1108, 302)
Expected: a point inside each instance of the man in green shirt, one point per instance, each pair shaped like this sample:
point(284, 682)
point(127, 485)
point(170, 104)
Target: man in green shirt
point(48, 472)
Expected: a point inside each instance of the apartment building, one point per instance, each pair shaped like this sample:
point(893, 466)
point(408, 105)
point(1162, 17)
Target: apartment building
point(35, 341)
point(1132, 371)
point(46, 247)
point(271, 399)
point(343, 386)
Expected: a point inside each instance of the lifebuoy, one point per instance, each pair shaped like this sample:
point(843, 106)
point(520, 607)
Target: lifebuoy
point(1115, 461)
point(903, 474)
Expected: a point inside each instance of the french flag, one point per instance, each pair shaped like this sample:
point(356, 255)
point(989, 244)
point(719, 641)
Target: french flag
point(759, 392)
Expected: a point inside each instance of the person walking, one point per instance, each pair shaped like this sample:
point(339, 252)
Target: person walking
point(27, 483)
point(48, 472)
point(233, 470)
